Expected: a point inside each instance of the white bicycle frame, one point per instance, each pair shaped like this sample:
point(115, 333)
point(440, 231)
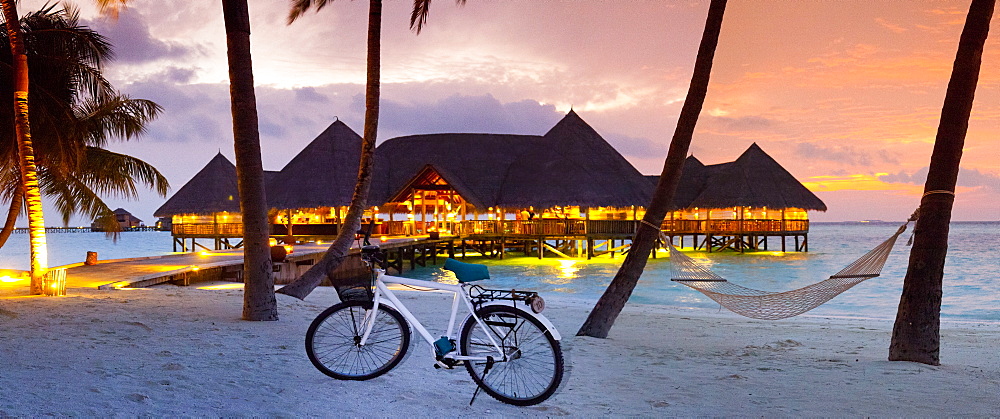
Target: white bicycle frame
point(382, 293)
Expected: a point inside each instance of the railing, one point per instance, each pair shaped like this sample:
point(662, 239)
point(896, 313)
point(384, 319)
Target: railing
point(221, 229)
point(520, 227)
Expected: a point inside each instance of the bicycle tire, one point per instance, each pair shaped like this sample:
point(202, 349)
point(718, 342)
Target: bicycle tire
point(332, 341)
point(534, 368)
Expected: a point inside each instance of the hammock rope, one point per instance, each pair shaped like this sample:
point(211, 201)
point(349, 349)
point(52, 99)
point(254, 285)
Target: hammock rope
point(767, 305)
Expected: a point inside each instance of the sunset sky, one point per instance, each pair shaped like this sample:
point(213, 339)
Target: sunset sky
point(845, 94)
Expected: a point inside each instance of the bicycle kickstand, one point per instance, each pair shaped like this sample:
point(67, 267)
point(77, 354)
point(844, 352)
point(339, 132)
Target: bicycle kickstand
point(489, 366)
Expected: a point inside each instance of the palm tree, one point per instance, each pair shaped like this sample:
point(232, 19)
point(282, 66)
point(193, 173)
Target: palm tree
point(25, 150)
point(337, 252)
point(611, 303)
point(916, 333)
point(259, 302)
point(75, 113)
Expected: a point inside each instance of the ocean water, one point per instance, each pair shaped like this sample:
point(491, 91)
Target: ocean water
point(971, 282)
point(67, 248)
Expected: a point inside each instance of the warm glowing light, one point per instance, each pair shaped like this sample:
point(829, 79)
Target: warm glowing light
point(272, 242)
point(195, 268)
point(383, 239)
point(568, 269)
point(288, 248)
point(6, 278)
point(203, 253)
point(222, 287)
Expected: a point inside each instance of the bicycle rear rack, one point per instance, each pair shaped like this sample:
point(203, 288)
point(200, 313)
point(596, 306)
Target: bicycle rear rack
point(479, 296)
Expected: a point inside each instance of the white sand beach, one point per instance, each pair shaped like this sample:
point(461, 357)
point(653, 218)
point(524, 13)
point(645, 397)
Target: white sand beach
point(182, 351)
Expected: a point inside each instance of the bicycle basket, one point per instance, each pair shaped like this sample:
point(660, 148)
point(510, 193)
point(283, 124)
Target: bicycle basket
point(355, 289)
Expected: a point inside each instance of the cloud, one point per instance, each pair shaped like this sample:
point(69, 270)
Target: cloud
point(969, 178)
point(309, 94)
point(895, 28)
point(744, 123)
point(133, 42)
point(845, 154)
point(459, 113)
point(637, 147)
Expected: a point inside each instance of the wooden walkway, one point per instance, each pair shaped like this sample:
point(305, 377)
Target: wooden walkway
point(181, 268)
point(227, 265)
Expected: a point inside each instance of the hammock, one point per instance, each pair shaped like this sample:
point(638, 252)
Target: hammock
point(777, 305)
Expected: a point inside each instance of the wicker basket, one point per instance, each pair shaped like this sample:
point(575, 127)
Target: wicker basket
point(355, 289)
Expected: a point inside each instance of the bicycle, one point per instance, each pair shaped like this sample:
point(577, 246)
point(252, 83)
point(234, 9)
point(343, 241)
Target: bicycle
point(509, 348)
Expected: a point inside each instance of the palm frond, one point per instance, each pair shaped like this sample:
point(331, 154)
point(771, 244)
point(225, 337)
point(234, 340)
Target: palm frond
point(117, 174)
point(112, 8)
point(114, 116)
point(71, 197)
point(300, 7)
point(421, 8)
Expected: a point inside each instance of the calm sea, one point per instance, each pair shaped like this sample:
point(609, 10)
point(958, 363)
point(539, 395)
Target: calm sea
point(971, 285)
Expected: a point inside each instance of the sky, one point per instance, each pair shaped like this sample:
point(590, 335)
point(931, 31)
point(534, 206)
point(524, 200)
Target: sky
point(846, 95)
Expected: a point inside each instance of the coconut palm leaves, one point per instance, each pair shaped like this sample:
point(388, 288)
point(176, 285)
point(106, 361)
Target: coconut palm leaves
point(75, 113)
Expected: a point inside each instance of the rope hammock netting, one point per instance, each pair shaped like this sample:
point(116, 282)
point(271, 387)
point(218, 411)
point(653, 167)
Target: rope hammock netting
point(768, 305)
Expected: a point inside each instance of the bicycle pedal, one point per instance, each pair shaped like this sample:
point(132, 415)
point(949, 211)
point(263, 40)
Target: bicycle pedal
point(443, 365)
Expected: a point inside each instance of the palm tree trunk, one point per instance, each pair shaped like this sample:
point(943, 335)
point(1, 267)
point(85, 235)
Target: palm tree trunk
point(258, 297)
point(337, 252)
point(16, 202)
point(611, 303)
point(26, 153)
point(916, 333)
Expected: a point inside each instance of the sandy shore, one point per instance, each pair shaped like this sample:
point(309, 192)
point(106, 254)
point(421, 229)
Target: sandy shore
point(169, 351)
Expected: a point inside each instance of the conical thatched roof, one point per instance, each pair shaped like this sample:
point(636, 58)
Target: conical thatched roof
point(323, 174)
point(694, 177)
point(478, 162)
point(573, 165)
point(213, 189)
point(753, 180)
point(569, 165)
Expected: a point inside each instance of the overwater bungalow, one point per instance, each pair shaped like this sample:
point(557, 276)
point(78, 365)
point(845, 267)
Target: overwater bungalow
point(510, 185)
point(124, 219)
point(310, 195)
point(567, 191)
point(739, 204)
point(207, 207)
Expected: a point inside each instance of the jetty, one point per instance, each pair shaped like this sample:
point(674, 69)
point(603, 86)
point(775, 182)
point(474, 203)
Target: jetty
point(227, 265)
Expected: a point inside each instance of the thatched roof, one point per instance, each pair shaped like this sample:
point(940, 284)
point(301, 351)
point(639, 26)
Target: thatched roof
point(755, 179)
point(478, 162)
point(323, 174)
point(573, 165)
point(569, 165)
point(213, 189)
point(123, 211)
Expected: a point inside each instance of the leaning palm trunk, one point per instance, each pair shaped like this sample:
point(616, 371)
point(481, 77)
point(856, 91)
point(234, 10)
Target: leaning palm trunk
point(258, 297)
point(916, 334)
point(26, 154)
point(337, 252)
point(611, 303)
point(16, 201)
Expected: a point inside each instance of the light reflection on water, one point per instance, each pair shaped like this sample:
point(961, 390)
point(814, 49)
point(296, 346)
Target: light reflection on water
point(971, 288)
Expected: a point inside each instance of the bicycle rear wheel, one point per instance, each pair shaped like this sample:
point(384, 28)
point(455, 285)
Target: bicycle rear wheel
point(531, 367)
point(333, 341)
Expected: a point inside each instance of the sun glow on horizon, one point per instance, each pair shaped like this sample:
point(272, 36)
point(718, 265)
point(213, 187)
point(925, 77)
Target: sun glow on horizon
point(858, 182)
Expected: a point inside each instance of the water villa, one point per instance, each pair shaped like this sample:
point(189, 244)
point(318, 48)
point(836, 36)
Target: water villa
point(566, 192)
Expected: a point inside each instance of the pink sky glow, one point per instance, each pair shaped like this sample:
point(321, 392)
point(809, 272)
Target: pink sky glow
point(845, 94)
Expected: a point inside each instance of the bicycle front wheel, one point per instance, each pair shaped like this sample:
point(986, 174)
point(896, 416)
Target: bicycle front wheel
point(333, 341)
point(531, 366)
